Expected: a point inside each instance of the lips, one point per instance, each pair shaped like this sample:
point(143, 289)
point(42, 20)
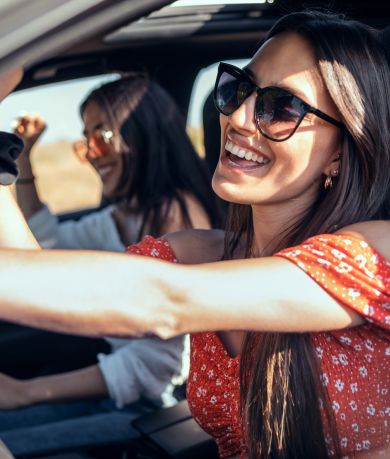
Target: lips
point(244, 153)
point(240, 158)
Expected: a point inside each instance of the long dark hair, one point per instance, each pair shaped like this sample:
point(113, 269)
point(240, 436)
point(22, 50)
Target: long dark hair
point(161, 164)
point(280, 373)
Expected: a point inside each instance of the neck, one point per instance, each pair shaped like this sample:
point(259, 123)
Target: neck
point(272, 221)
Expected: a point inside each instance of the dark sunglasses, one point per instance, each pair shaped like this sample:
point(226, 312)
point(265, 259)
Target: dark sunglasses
point(278, 113)
point(99, 143)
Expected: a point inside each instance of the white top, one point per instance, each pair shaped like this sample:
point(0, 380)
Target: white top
point(148, 368)
point(95, 231)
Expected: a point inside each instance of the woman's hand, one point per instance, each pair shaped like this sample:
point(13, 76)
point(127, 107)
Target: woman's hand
point(30, 127)
point(13, 393)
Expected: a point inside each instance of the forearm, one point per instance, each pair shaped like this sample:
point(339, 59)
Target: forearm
point(85, 383)
point(264, 294)
point(14, 231)
point(101, 294)
point(86, 293)
point(26, 191)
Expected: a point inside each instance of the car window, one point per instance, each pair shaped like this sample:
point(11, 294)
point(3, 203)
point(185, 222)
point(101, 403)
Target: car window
point(63, 182)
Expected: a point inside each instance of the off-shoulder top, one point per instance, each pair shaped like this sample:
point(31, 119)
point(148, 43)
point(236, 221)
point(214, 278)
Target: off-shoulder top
point(354, 362)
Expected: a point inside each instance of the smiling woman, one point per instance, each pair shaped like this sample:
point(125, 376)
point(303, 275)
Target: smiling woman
point(135, 139)
point(290, 347)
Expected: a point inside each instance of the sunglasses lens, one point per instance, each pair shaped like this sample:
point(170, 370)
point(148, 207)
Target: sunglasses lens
point(278, 113)
point(99, 144)
point(230, 92)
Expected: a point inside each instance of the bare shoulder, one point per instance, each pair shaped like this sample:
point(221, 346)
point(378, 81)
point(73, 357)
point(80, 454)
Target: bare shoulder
point(197, 245)
point(376, 233)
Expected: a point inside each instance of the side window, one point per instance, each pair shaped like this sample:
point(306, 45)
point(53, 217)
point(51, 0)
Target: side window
point(64, 183)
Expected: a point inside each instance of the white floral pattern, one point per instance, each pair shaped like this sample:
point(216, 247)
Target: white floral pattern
point(354, 361)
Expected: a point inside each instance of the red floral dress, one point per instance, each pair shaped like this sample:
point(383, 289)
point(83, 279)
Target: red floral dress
point(354, 362)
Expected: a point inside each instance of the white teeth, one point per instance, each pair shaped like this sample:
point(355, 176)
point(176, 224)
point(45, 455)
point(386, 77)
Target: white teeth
point(104, 170)
point(235, 149)
point(241, 153)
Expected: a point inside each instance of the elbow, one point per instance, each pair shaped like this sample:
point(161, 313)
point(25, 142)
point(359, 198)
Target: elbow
point(170, 319)
point(168, 326)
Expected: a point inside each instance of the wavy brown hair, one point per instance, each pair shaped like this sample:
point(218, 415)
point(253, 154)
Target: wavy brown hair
point(160, 162)
point(280, 373)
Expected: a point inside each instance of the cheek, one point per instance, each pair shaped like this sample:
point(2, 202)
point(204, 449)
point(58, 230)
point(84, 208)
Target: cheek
point(306, 154)
point(292, 158)
point(119, 165)
point(326, 145)
point(223, 123)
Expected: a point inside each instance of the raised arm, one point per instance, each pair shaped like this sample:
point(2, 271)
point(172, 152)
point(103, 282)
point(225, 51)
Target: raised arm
point(87, 293)
point(29, 128)
point(8, 81)
point(98, 294)
point(14, 231)
point(111, 294)
point(329, 283)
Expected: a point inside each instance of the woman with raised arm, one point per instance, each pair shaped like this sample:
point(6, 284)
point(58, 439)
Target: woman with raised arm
point(305, 155)
point(136, 141)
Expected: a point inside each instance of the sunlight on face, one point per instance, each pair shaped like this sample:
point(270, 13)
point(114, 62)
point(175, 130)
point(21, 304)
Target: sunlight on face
point(293, 168)
point(109, 167)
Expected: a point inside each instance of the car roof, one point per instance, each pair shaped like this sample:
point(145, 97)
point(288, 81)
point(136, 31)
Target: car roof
point(172, 42)
point(33, 30)
point(203, 31)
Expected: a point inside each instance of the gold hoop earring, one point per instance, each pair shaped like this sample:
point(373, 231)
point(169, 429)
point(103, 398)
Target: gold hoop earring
point(328, 181)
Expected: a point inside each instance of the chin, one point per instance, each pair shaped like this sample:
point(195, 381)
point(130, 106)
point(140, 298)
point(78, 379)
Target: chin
point(230, 192)
point(109, 193)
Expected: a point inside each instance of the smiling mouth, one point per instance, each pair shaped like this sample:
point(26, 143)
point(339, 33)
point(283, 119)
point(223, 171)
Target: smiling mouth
point(241, 157)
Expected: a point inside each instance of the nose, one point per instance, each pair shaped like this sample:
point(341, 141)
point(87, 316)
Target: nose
point(90, 156)
point(243, 119)
point(92, 151)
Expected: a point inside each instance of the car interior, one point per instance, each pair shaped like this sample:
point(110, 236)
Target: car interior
point(173, 42)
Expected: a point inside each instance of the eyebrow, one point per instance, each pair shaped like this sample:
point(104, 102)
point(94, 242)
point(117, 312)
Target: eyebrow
point(294, 91)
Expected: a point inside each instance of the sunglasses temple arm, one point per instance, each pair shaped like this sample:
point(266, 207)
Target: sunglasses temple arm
point(325, 117)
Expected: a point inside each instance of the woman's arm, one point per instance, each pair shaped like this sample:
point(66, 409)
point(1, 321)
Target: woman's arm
point(14, 231)
point(87, 293)
point(111, 294)
point(79, 384)
point(268, 294)
point(29, 128)
point(9, 80)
